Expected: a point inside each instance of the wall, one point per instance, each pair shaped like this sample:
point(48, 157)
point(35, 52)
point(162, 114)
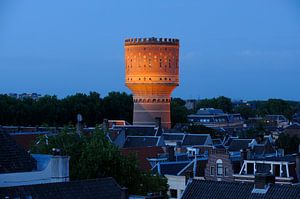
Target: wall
point(49, 169)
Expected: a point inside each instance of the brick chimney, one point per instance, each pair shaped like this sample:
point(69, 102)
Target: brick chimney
point(262, 182)
point(171, 153)
point(124, 194)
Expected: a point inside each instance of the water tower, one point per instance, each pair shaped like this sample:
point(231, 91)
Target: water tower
point(152, 74)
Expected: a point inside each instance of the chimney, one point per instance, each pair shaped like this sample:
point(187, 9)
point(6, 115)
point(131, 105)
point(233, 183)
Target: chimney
point(124, 194)
point(158, 122)
point(298, 166)
point(59, 168)
point(171, 153)
point(262, 182)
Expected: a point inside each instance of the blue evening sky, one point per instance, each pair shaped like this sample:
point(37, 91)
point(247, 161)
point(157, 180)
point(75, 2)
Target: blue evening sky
point(243, 49)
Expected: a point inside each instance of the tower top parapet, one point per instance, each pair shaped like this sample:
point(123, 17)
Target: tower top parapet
point(151, 41)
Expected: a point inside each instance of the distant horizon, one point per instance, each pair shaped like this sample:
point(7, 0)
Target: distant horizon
point(243, 49)
point(101, 95)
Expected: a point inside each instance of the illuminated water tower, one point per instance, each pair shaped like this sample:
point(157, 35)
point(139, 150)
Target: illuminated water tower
point(152, 74)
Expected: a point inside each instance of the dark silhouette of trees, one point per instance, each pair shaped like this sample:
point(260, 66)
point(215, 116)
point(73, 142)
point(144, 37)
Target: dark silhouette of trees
point(221, 102)
point(289, 144)
point(178, 111)
point(51, 111)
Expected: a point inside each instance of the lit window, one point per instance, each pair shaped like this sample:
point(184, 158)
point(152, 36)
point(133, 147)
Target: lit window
point(219, 167)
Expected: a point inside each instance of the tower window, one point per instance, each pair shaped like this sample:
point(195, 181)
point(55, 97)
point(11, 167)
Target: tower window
point(149, 78)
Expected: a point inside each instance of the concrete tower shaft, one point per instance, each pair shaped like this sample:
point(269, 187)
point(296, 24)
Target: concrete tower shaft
point(152, 74)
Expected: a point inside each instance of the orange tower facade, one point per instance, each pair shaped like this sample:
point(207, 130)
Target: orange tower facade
point(152, 74)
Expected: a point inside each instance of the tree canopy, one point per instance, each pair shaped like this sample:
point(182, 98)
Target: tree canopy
point(52, 111)
point(178, 111)
point(93, 156)
point(221, 102)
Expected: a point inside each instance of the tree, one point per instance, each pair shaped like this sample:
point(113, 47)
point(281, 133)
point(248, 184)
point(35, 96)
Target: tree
point(275, 106)
point(221, 102)
point(289, 144)
point(93, 156)
point(118, 106)
point(178, 111)
point(245, 111)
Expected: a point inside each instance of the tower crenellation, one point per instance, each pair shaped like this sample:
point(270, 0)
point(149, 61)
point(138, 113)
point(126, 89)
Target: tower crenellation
point(151, 40)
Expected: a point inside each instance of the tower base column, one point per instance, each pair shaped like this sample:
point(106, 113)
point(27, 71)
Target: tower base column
point(145, 112)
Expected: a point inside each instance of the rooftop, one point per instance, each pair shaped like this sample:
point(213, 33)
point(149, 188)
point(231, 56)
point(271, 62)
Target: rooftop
point(13, 158)
point(238, 144)
point(214, 190)
point(195, 139)
point(209, 111)
point(97, 188)
point(141, 141)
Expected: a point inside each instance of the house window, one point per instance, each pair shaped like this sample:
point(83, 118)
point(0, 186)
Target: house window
point(212, 171)
point(226, 171)
point(173, 193)
point(219, 167)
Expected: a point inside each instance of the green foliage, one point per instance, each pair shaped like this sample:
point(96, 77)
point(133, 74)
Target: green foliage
point(245, 111)
point(289, 144)
point(93, 156)
point(118, 106)
point(275, 106)
point(52, 111)
point(221, 102)
point(178, 111)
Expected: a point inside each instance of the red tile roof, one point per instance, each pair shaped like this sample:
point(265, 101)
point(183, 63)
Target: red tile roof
point(142, 154)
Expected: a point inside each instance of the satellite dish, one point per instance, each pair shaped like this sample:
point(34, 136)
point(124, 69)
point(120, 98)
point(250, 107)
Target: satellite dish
point(79, 118)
